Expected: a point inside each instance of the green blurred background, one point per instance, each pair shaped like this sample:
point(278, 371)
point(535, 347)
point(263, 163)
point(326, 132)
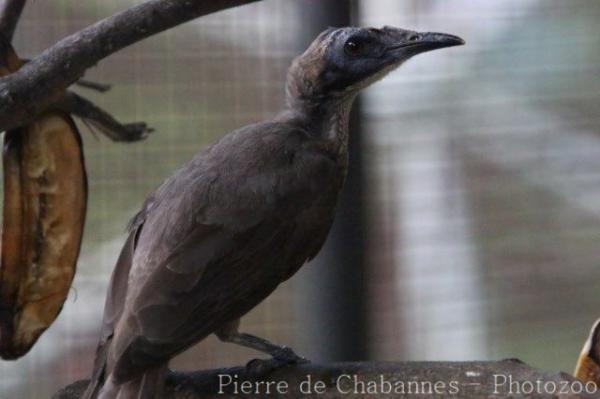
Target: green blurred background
point(479, 205)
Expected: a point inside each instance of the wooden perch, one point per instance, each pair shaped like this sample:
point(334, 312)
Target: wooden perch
point(372, 379)
point(44, 79)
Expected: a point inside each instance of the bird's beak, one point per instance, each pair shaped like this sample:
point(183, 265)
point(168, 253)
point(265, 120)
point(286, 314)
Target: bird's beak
point(433, 40)
point(411, 43)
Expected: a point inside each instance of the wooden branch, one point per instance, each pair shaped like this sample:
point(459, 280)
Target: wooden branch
point(506, 378)
point(98, 118)
point(9, 17)
point(44, 79)
point(85, 83)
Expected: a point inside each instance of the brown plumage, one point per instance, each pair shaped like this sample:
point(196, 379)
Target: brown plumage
point(244, 215)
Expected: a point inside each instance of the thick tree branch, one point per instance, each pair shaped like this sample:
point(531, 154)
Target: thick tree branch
point(44, 79)
point(97, 118)
point(9, 17)
point(88, 84)
point(506, 378)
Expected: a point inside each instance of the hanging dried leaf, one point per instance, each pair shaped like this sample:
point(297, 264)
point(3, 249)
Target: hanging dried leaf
point(45, 196)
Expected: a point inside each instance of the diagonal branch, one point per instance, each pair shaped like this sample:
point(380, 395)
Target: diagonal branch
point(88, 84)
point(44, 79)
point(9, 17)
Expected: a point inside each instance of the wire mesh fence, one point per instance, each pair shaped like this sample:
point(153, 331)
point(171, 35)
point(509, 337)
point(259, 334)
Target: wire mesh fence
point(485, 163)
point(481, 164)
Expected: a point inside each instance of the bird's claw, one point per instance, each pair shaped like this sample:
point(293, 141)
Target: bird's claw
point(284, 357)
point(287, 355)
point(258, 368)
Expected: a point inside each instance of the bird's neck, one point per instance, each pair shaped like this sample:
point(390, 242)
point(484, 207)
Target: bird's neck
point(324, 118)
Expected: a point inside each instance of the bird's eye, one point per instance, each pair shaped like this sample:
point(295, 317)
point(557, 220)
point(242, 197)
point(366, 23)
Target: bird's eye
point(352, 47)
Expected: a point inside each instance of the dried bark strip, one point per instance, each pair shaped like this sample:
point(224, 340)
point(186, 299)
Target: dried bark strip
point(101, 120)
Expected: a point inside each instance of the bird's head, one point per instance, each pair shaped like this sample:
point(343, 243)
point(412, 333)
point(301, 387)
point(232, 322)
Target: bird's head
point(342, 61)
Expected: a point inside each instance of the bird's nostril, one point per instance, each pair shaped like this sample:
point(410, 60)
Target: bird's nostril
point(414, 37)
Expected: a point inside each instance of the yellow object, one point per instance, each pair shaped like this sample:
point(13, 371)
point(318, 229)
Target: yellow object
point(588, 364)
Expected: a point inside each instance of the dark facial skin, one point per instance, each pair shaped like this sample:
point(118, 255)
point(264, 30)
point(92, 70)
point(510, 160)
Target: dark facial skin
point(357, 56)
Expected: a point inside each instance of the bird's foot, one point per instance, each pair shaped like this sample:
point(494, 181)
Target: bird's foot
point(284, 357)
point(260, 368)
point(287, 355)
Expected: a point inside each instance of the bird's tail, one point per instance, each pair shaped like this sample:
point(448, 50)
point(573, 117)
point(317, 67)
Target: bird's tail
point(146, 386)
point(97, 379)
point(115, 302)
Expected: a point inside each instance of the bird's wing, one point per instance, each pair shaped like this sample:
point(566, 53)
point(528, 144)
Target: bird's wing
point(218, 211)
point(113, 308)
